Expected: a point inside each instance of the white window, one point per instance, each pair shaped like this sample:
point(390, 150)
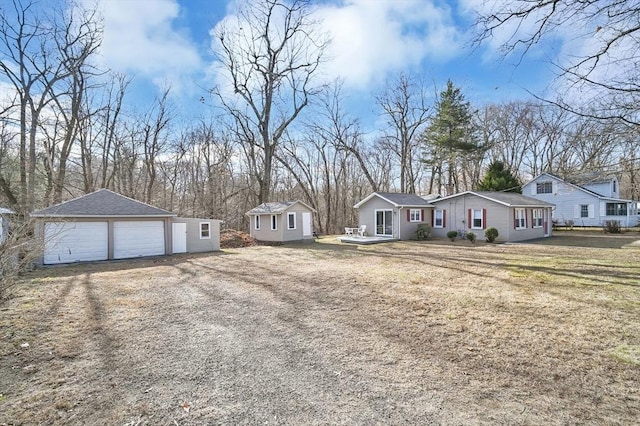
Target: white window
point(438, 219)
point(521, 219)
point(205, 230)
point(274, 222)
point(415, 215)
point(291, 220)
point(544, 187)
point(476, 219)
point(257, 223)
point(584, 210)
point(537, 218)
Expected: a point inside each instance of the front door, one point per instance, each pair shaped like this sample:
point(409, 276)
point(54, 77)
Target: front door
point(179, 236)
point(384, 222)
point(306, 224)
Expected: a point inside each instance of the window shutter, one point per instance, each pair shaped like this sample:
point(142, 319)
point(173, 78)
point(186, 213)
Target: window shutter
point(515, 218)
point(533, 222)
point(591, 210)
point(603, 209)
point(422, 215)
point(408, 215)
point(526, 225)
point(576, 211)
point(433, 217)
point(469, 218)
point(444, 218)
point(484, 218)
point(534, 188)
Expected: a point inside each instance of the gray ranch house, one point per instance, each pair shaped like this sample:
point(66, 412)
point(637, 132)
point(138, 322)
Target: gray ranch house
point(590, 201)
point(515, 216)
point(104, 225)
point(393, 215)
point(281, 221)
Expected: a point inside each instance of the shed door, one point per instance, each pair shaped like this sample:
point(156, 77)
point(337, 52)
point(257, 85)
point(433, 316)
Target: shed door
point(179, 237)
point(306, 224)
point(67, 242)
point(138, 238)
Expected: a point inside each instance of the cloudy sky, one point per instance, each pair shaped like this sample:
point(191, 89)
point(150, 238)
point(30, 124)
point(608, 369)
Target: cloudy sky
point(168, 42)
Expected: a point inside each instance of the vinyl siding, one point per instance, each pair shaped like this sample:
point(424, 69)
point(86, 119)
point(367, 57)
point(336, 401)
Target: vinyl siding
point(194, 243)
point(282, 234)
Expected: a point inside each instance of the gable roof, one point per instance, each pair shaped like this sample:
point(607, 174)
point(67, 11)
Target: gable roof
point(102, 202)
point(578, 187)
point(397, 199)
point(277, 207)
point(509, 199)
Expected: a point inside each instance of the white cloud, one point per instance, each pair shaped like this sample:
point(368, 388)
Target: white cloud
point(141, 38)
point(374, 38)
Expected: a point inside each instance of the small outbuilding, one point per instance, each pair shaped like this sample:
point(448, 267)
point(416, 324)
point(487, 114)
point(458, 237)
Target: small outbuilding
point(515, 216)
point(4, 223)
point(104, 225)
point(394, 215)
point(281, 221)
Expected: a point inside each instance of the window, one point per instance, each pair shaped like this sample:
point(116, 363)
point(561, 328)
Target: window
point(291, 221)
point(205, 231)
point(274, 222)
point(476, 219)
point(415, 215)
point(520, 219)
point(616, 209)
point(584, 210)
point(257, 223)
point(613, 183)
point(537, 218)
point(544, 188)
point(438, 219)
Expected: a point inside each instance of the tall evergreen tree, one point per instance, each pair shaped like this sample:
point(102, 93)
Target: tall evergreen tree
point(450, 139)
point(498, 178)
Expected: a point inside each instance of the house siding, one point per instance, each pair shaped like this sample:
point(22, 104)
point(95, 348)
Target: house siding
point(402, 228)
point(497, 216)
point(195, 244)
point(282, 234)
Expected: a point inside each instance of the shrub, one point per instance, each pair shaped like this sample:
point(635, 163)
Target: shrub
point(491, 234)
point(423, 231)
point(452, 235)
point(568, 224)
point(471, 237)
point(612, 226)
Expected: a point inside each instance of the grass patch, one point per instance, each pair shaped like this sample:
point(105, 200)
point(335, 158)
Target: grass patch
point(629, 354)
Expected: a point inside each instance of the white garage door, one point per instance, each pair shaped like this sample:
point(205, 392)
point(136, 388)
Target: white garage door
point(66, 242)
point(138, 238)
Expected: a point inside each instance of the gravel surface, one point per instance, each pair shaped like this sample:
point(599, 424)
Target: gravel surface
point(323, 333)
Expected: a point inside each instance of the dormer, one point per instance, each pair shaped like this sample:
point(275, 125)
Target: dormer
point(606, 187)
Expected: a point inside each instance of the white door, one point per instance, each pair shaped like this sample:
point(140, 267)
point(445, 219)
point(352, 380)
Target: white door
point(306, 224)
point(66, 242)
point(179, 237)
point(138, 238)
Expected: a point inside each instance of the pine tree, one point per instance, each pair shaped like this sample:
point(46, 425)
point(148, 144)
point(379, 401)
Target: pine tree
point(499, 179)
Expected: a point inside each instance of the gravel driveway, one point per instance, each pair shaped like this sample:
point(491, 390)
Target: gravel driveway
point(322, 334)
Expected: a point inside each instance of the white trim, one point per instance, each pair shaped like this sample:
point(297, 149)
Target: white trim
point(520, 219)
point(473, 217)
point(375, 222)
point(435, 218)
point(290, 214)
point(538, 217)
point(208, 237)
point(411, 215)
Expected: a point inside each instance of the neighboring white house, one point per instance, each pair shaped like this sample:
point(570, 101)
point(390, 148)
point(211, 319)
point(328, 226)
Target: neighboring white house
point(4, 223)
point(281, 221)
point(588, 203)
point(104, 225)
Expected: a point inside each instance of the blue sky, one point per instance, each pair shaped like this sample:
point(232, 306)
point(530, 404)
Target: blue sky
point(168, 42)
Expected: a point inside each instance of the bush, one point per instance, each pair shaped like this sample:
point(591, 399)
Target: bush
point(491, 234)
point(423, 231)
point(471, 237)
point(452, 235)
point(612, 227)
point(568, 224)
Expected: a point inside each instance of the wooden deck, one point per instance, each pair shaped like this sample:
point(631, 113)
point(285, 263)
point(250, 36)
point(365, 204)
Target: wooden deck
point(354, 239)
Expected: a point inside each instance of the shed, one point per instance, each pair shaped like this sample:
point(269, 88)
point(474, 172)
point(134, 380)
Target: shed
point(395, 215)
point(515, 216)
point(104, 225)
point(281, 221)
point(4, 223)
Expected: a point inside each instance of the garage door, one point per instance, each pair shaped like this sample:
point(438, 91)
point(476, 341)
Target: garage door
point(138, 238)
point(66, 242)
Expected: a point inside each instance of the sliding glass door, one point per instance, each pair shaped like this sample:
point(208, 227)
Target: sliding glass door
point(384, 222)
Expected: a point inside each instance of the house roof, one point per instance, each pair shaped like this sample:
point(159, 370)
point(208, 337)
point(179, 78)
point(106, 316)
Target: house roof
point(397, 199)
point(578, 187)
point(6, 211)
point(509, 199)
point(102, 202)
point(277, 207)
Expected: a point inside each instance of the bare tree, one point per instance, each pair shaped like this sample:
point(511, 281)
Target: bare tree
point(404, 105)
point(270, 55)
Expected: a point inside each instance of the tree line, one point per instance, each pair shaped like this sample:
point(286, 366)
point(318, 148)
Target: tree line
point(275, 131)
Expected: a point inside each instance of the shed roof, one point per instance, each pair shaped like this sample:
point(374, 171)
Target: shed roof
point(509, 199)
point(102, 202)
point(276, 207)
point(398, 199)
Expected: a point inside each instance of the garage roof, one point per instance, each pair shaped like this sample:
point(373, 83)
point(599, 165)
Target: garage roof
point(102, 202)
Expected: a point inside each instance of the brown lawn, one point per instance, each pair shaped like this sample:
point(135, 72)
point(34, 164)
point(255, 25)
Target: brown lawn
point(407, 332)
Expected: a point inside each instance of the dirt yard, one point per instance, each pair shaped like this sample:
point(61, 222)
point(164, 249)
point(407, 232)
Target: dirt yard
point(323, 333)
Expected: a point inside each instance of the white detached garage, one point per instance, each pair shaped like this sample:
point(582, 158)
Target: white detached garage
point(105, 225)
